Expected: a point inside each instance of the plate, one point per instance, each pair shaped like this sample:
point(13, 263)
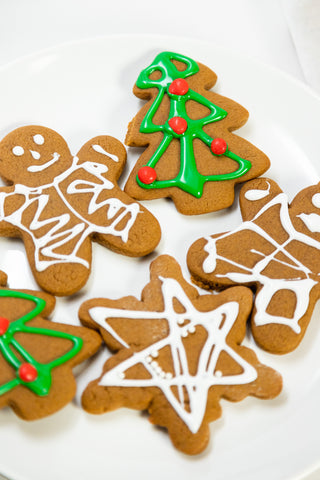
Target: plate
point(83, 90)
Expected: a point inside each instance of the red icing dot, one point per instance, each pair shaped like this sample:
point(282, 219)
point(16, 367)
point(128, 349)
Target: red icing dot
point(178, 124)
point(27, 372)
point(218, 146)
point(4, 325)
point(147, 175)
point(179, 86)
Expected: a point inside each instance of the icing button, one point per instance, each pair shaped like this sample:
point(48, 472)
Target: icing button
point(4, 325)
point(179, 86)
point(178, 124)
point(27, 372)
point(147, 175)
point(218, 146)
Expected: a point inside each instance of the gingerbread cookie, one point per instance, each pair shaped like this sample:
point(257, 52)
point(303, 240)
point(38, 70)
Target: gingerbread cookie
point(276, 250)
point(37, 356)
point(176, 354)
point(191, 154)
point(58, 204)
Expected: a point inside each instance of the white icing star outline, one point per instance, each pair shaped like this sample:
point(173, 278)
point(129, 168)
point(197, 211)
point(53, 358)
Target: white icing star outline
point(217, 323)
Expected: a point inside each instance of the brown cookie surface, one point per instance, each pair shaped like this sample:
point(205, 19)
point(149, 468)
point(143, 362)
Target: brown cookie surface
point(277, 251)
point(176, 354)
point(191, 154)
point(37, 355)
point(58, 204)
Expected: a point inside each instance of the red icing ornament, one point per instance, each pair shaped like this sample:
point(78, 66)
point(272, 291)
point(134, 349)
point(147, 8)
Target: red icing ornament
point(4, 325)
point(147, 175)
point(27, 372)
point(178, 124)
point(218, 146)
point(179, 86)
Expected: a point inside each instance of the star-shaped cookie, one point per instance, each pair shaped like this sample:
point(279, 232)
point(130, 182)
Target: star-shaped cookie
point(276, 250)
point(176, 353)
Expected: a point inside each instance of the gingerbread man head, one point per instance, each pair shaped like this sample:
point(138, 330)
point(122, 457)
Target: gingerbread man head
point(33, 156)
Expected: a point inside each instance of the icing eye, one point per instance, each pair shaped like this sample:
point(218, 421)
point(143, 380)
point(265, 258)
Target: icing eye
point(316, 200)
point(38, 139)
point(17, 151)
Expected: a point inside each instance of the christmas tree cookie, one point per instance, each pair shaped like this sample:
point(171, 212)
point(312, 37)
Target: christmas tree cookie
point(191, 153)
point(276, 250)
point(176, 354)
point(37, 355)
point(58, 204)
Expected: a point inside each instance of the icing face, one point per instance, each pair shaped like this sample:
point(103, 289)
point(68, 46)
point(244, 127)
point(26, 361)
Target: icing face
point(28, 154)
point(195, 387)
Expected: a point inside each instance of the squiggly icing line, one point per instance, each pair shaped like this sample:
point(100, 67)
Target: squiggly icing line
point(57, 236)
point(300, 286)
point(217, 323)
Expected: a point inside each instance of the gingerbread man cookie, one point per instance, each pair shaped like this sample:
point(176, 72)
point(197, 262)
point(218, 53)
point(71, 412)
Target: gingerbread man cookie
point(58, 204)
point(176, 354)
point(191, 154)
point(276, 250)
point(37, 356)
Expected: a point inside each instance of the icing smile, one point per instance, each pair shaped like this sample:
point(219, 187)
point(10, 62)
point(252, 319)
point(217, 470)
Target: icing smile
point(39, 168)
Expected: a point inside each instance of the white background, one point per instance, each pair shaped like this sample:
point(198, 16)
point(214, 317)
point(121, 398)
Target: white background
point(255, 27)
point(261, 29)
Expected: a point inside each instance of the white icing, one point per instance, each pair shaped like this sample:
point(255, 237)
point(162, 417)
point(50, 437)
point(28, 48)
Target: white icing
point(312, 221)
point(62, 230)
point(40, 168)
point(18, 151)
point(316, 200)
point(253, 195)
point(301, 285)
point(38, 139)
point(35, 155)
point(99, 149)
point(217, 323)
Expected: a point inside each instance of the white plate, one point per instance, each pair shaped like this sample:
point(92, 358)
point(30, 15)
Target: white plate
point(82, 90)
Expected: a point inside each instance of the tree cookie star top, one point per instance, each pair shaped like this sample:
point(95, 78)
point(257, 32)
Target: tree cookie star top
point(191, 154)
point(177, 353)
point(58, 203)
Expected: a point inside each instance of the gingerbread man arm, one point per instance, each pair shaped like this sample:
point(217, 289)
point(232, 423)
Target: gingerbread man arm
point(305, 211)
point(116, 220)
point(254, 195)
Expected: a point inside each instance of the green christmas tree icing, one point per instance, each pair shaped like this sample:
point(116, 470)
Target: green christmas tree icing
point(188, 178)
point(19, 358)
